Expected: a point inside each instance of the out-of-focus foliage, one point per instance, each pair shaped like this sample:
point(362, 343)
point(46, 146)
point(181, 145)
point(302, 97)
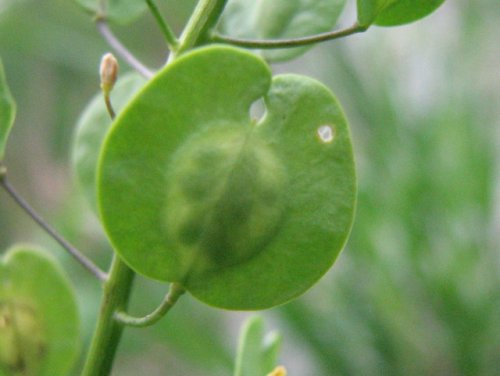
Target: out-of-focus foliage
point(417, 291)
point(39, 334)
point(257, 352)
point(394, 12)
point(123, 11)
point(280, 19)
point(7, 111)
point(406, 11)
point(92, 127)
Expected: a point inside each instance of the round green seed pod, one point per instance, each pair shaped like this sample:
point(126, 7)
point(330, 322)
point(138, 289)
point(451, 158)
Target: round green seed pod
point(244, 213)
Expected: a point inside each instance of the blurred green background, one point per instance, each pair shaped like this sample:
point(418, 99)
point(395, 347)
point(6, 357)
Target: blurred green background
point(416, 291)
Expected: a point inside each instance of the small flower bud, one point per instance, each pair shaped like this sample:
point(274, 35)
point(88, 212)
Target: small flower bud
point(109, 72)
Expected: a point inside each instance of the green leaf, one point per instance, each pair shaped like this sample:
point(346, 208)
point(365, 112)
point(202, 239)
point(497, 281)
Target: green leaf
point(270, 351)
point(280, 19)
point(406, 11)
point(121, 11)
point(257, 355)
point(7, 111)
point(39, 331)
point(191, 189)
point(394, 12)
point(249, 355)
point(91, 129)
point(368, 10)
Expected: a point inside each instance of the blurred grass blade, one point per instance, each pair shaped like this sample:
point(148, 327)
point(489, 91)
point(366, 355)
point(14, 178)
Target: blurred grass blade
point(7, 111)
point(257, 354)
point(248, 360)
point(270, 351)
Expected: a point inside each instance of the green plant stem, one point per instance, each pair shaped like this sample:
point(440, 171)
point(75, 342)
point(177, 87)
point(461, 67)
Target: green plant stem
point(287, 43)
point(204, 17)
point(169, 35)
point(73, 251)
point(108, 331)
point(174, 293)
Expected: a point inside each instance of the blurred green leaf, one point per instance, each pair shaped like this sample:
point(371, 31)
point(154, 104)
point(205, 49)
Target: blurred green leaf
point(394, 12)
point(249, 356)
point(406, 11)
point(7, 111)
point(39, 334)
point(280, 19)
point(368, 10)
point(91, 129)
point(120, 11)
point(270, 350)
point(257, 355)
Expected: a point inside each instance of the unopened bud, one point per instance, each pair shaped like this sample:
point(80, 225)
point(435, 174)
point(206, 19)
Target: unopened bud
point(109, 72)
point(278, 371)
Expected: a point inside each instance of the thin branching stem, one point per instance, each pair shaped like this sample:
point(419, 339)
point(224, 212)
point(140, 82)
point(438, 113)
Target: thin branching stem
point(174, 293)
point(169, 35)
point(287, 43)
point(121, 50)
point(79, 257)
